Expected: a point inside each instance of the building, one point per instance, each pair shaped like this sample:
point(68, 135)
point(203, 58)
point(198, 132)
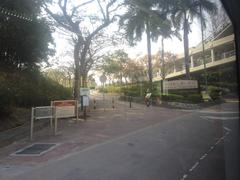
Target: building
point(219, 53)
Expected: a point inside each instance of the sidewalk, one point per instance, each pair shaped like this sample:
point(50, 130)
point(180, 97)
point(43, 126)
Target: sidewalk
point(76, 136)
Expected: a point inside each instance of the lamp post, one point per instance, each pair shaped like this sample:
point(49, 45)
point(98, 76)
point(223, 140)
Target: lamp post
point(203, 51)
point(103, 79)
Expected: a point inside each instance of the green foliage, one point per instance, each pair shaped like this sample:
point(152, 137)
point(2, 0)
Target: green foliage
point(24, 44)
point(28, 89)
point(194, 98)
point(191, 98)
point(172, 97)
point(232, 86)
point(216, 92)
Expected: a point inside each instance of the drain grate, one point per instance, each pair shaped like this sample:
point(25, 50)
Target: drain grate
point(35, 149)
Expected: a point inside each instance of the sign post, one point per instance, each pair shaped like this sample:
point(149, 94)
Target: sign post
point(103, 79)
point(64, 109)
point(180, 84)
point(85, 93)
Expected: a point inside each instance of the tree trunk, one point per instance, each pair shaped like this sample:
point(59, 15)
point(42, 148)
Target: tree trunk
point(163, 62)
point(84, 80)
point(203, 52)
point(149, 55)
point(186, 46)
point(77, 70)
point(163, 67)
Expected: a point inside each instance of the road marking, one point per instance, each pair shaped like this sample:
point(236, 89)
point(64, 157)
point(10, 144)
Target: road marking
point(218, 142)
point(194, 166)
point(220, 112)
point(184, 176)
point(212, 111)
point(227, 129)
point(219, 118)
point(204, 156)
point(211, 148)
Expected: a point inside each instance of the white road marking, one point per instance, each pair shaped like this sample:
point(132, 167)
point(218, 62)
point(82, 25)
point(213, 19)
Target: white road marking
point(184, 176)
point(227, 129)
point(203, 156)
point(219, 118)
point(220, 112)
point(218, 141)
point(212, 111)
point(194, 166)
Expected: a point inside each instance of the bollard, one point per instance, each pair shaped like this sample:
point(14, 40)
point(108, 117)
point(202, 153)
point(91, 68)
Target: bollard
point(94, 103)
point(31, 124)
point(130, 102)
point(113, 103)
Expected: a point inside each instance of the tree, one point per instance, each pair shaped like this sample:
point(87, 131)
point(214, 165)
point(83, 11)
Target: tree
point(217, 21)
point(62, 75)
point(134, 71)
point(24, 42)
point(84, 27)
point(168, 67)
point(183, 13)
point(138, 19)
point(114, 64)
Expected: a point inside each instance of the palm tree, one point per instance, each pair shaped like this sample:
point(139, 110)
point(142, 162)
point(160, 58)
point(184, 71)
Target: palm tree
point(139, 19)
point(183, 13)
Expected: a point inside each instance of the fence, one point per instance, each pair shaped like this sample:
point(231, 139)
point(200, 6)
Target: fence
point(58, 109)
point(38, 113)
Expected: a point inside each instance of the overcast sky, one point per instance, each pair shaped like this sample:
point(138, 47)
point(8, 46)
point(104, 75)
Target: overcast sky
point(172, 45)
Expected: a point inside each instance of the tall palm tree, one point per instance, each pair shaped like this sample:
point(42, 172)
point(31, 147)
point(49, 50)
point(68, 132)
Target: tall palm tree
point(183, 13)
point(139, 19)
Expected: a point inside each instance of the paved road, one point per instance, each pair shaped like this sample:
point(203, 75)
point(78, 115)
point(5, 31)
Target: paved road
point(199, 145)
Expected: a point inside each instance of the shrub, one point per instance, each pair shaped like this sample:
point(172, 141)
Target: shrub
point(172, 97)
point(194, 98)
point(29, 89)
point(214, 92)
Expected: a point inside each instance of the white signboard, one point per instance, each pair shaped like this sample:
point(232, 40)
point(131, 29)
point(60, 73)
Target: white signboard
point(84, 91)
point(64, 112)
point(181, 84)
point(85, 101)
point(65, 108)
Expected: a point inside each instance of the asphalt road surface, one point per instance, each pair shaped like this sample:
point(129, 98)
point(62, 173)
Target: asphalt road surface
point(199, 145)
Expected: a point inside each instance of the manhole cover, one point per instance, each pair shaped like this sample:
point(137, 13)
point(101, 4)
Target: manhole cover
point(35, 149)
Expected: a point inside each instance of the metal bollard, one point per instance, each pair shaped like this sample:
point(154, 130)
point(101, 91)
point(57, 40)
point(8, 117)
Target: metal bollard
point(94, 103)
point(130, 102)
point(113, 103)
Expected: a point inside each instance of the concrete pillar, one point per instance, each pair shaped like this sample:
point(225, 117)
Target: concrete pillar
point(192, 63)
point(174, 66)
point(212, 55)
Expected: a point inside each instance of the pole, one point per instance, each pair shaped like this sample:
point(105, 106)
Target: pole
point(76, 110)
point(94, 103)
point(113, 103)
point(31, 125)
point(203, 52)
point(103, 96)
point(55, 121)
point(130, 101)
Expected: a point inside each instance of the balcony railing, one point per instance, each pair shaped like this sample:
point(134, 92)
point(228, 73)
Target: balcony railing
point(198, 62)
point(224, 55)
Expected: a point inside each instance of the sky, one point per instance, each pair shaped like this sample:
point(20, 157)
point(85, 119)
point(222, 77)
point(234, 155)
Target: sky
point(173, 45)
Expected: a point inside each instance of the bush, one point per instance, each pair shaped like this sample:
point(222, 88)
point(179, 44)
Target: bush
point(172, 97)
point(194, 98)
point(26, 89)
point(214, 92)
point(233, 87)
